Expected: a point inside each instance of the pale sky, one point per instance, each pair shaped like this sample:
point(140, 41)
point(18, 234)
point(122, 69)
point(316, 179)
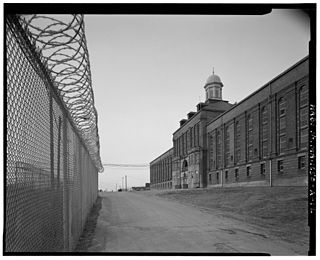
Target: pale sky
point(148, 72)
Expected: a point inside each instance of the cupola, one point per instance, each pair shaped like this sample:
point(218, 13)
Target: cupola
point(213, 87)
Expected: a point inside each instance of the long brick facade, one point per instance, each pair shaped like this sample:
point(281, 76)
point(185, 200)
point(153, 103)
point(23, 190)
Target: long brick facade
point(262, 140)
point(161, 171)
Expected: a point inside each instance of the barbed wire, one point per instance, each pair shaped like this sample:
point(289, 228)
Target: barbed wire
point(61, 42)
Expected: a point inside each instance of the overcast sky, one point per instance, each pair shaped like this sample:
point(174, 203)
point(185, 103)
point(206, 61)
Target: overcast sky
point(148, 72)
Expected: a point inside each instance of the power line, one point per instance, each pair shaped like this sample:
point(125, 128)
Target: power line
point(125, 165)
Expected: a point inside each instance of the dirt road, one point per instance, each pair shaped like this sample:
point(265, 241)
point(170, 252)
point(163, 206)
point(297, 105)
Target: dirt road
point(132, 222)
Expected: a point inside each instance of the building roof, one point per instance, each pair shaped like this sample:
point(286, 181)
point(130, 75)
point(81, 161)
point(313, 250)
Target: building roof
point(165, 154)
point(213, 79)
point(237, 104)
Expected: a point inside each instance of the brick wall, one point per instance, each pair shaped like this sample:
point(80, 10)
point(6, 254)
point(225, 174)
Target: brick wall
point(286, 87)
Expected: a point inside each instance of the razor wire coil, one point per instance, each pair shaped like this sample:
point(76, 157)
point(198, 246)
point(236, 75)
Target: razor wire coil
point(61, 44)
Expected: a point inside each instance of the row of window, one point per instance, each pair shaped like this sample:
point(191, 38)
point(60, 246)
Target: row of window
point(280, 169)
point(187, 140)
point(234, 131)
point(161, 171)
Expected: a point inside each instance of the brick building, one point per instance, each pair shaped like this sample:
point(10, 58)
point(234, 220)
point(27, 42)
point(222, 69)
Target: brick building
point(264, 137)
point(161, 171)
point(262, 140)
point(190, 140)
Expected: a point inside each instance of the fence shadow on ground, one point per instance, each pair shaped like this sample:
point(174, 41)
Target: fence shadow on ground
point(87, 235)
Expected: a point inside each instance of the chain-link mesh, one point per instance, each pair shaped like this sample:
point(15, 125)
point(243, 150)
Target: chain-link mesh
point(51, 177)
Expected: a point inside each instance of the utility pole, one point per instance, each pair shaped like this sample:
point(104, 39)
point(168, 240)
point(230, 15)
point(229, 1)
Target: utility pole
point(126, 182)
point(122, 183)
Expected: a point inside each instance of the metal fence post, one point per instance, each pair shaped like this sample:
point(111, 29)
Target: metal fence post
point(66, 209)
point(51, 141)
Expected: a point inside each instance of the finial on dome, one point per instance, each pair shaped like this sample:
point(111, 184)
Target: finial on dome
point(212, 70)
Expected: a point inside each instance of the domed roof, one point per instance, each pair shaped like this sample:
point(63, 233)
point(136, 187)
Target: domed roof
point(213, 79)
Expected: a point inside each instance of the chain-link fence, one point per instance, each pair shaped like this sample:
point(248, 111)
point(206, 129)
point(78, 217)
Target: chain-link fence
point(51, 168)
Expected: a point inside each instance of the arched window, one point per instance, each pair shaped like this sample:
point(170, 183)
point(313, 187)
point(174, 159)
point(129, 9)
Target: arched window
point(184, 166)
point(282, 110)
point(303, 117)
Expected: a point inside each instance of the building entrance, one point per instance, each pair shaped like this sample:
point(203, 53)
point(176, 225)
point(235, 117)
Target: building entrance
point(184, 174)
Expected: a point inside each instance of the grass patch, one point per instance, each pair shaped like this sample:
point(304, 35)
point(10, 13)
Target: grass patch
point(281, 211)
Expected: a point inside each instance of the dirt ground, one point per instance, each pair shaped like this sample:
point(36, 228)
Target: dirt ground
point(199, 221)
point(281, 211)
point(87, 235)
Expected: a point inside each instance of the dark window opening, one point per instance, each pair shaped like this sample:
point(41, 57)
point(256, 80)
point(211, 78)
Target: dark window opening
point(236, 174)
point(262, 168)
point(302, 162)
point(226, 175)
point(248, 171)
point(280, 166)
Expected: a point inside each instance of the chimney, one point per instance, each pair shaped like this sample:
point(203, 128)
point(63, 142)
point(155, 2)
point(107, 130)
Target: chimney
point(182, 122)
point(201, 105)
point(191, 114)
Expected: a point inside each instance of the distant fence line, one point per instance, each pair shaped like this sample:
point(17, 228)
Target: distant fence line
point(53, 154)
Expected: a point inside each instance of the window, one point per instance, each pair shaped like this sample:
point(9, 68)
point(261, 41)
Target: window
point(185, 142)
point(250, 148)
point(194, 136)
point(282, 125)
point(227, 146)
point(262, 168)
point(197, 141)
point(210, 178)
point(302, 162)
point(219, 149)
point(211, 93)
point(304, 138)
point(226, 174)
point(217, 175)
point(236, 174)
point(280, 166)
point(303, 117)
point(211, 151)
point(264, 131)
point(249, 137)
point(188, 139)
point(248, 171)
point(217, 92)
point(237, 148)
point(303, 96)
point(250, 125)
